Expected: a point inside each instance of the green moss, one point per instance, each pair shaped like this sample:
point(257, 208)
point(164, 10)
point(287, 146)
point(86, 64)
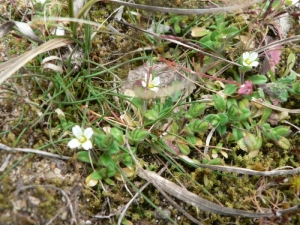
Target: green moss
point(57, 182)
point(135, 217)
point(4, 202)
point(7, 184)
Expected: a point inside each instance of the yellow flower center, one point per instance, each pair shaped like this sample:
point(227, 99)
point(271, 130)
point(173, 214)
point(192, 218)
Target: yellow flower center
point(248, 61)
point(150, 85)
point(82, 139)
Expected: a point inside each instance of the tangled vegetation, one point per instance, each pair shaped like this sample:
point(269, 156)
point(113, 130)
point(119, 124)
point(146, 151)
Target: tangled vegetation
point(114, 114)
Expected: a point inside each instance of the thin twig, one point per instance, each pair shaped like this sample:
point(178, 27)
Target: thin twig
point(239, 170)
point(4, 165)
point(186, 11)
point(30, 150)
point(277, 108)
point(209, 136)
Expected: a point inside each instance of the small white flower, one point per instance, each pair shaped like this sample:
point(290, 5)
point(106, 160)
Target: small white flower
point(152, 84)
point(82, 138)
point(250, 59)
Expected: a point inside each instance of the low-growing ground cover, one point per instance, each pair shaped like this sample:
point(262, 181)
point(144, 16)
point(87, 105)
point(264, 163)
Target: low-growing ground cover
point(114, 114)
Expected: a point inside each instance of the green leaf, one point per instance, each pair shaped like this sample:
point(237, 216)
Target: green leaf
point(175, 19)
point(220, 103)
point(237, 133)
point(83, 156)
point(289, 79)
point(137, 102)
point(213, 119)
point(109, 181)
point(215, 36)
point(217, 45)
point(223, 118)
point(127, 160)
point(284, 143)
point(249, 142)
point(195, 110)
point(198, 125)
point(166, 105)
point(176, 95)
point(216, 161)
point(191, 139)
point(246, 113)
point(244, 104)
point(230, 102)
point(230, 89)
point(219, 18)
point(110, 171)
point(234, 113)
point(258, 79)
point(205, 42)
point(290, 64)
point(282, 130)
point(114, 148)
point(266, 112)
point(184, 149)
point(118, 135)
point(151, 114)
point(230, 32)
point(96, 176)
point(105, 160)
point(199, 31)
point(205, 39)
point(139, 135)
point(104, 141)
point(177, 28)
point(295, 88)
point(173, 128)
point(222, 130)
point(278, 91)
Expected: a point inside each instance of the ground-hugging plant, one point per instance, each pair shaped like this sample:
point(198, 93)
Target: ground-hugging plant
point(210, 128)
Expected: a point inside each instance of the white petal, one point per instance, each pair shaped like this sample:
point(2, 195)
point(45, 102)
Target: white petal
point(74, 143)
point(88, 133)
point(87, 145)
point(254, 64)
point(77, 131)
point(150, 77)
point(144, 84)
point(253, 56)
point(154, 89)
point(156, 81)
point(246, 55)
